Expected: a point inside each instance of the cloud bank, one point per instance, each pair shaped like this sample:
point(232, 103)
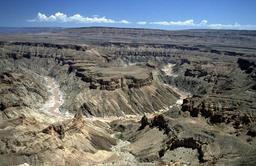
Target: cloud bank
point(204, 24)
point(141, 22)
point(77, 18)
point(175, 23)
point(60, 17)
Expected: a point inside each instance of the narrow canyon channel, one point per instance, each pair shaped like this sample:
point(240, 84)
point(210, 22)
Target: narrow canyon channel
point(55, 100)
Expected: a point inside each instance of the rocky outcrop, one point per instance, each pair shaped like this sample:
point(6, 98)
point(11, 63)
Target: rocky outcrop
point(55, 128)
point(186, 143)
point(143, 122)
point(133, 82)
point(189, 142)
point(29, 142)
point(249, 66)
point(195, 73)
point(211, 110)
point(116, 78)
point(115, 83)
point(19, 91)
point(158, 122)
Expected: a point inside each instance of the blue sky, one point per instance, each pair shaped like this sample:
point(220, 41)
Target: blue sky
point(162, 14)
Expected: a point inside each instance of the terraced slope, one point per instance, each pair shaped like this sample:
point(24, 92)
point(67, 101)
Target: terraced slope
point(125, 88)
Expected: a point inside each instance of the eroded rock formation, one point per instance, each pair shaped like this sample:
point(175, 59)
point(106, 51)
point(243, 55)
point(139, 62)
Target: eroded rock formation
point(109, 78)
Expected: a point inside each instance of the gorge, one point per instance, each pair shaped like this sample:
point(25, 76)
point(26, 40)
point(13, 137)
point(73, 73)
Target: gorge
point(124, 96)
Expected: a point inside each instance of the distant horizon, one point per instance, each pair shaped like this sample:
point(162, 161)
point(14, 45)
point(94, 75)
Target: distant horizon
point(139, 28)
point(147, 14)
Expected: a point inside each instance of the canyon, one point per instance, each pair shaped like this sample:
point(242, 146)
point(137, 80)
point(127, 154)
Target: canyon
point(126, 96)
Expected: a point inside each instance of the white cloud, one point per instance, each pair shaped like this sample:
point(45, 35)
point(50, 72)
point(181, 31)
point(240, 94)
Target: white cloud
point(124, 22)
point(77, 18)
point(232, 26)
point(175, 23)
point(141, 22)
point(203, 22)
point(190, 23)
point(224, 26)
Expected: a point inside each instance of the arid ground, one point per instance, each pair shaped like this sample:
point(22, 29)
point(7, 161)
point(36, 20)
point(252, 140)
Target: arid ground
point(120, 96)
